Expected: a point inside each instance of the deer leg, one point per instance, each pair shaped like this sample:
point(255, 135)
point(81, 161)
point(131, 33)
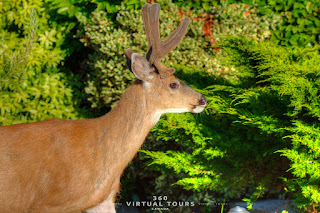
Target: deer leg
point(107, 206)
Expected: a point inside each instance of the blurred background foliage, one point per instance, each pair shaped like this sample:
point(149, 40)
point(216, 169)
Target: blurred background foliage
point(257, 62)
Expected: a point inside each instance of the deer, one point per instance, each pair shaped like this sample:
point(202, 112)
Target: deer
point(57, 165)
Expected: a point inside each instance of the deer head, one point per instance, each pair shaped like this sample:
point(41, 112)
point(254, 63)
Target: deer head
point(169, 92)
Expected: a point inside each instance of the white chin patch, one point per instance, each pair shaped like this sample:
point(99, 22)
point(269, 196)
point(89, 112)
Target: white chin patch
point(157, 114)
point(198, 109)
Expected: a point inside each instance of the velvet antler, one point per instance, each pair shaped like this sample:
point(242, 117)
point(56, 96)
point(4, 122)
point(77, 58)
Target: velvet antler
point(157, 48)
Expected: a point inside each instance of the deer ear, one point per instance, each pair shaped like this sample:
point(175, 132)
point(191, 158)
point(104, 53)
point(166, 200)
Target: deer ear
point(128, 54)
point(141, 67)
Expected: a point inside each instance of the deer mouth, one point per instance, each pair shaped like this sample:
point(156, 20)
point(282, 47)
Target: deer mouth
point(202, 103)
point(198, 108)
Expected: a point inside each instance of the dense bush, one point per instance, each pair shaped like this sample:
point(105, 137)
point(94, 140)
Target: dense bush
point(205, 4)
point(35, 73)
point(251, 126)
point(41, 90)
point(293, 75)
point(243, 19)
point(300, 21)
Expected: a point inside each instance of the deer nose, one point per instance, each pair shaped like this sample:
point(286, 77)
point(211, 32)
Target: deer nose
point(202, 100)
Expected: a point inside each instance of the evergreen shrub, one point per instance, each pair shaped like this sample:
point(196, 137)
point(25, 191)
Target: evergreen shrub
point(258, 132)
point(292, 74)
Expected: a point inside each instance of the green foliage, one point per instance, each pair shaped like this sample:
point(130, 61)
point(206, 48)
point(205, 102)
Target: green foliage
point(134, 4)
point(292, 74)
point(244, 19)
point(260, 190)
point(254, 129)
point(205, 4)
point(305, 166)
point(300, 25)
point(299, 20)
point(13, 66)
point(37, 98)
point(195, 5)
point(44, 91)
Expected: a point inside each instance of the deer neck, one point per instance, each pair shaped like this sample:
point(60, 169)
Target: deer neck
point(127, 125)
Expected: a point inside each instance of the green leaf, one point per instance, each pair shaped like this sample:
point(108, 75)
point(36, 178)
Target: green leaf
point(71, 26)
point(298, 5)
point(279, 7)
point(63, 10)
point(206, 6)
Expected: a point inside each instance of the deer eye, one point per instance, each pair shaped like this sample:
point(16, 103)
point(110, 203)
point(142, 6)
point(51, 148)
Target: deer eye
point(174, 85)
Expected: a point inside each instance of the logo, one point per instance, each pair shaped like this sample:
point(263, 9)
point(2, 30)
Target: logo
point(161, 203)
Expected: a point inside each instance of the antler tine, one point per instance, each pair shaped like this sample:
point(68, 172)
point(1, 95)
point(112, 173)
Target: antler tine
point(145, 19)
point(150, 15)
point(176, 36)
point(153, 21)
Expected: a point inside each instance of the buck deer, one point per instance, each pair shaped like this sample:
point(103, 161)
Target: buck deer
point(70, 166)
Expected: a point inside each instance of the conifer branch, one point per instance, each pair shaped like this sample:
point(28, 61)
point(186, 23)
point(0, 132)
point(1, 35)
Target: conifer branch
point(14, 66)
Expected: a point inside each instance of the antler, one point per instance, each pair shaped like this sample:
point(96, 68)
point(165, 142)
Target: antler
point(157, 48)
